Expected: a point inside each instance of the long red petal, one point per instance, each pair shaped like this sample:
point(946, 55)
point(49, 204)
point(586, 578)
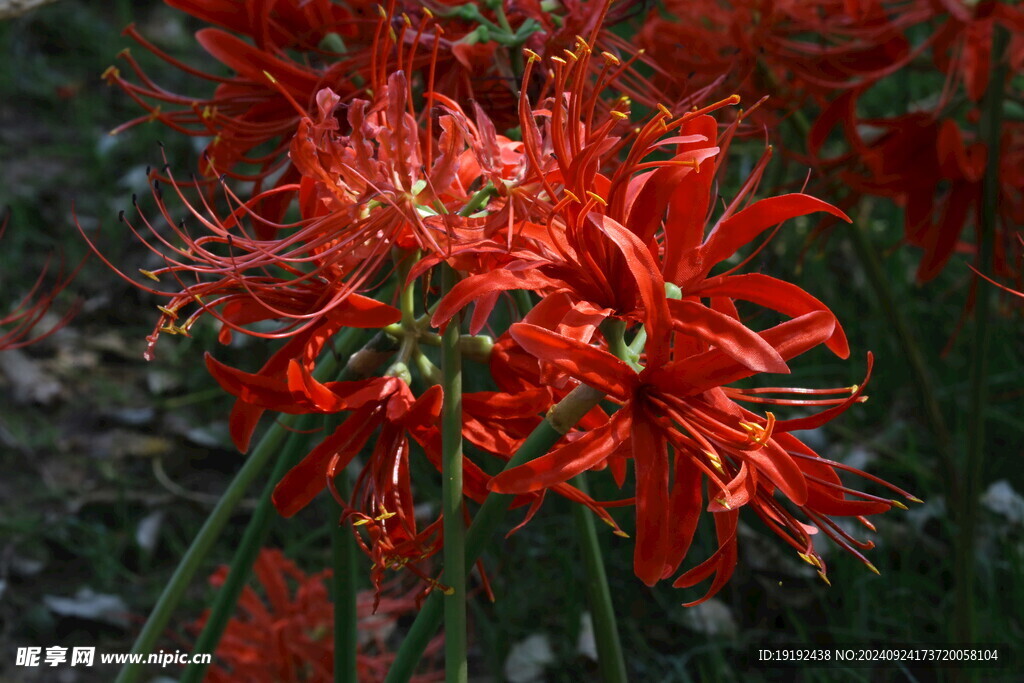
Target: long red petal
point(566, 462)
point(731, 336)
point(589, 364)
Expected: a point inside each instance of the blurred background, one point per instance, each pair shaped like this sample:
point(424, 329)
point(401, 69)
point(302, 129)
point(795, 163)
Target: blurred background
point(109, 464)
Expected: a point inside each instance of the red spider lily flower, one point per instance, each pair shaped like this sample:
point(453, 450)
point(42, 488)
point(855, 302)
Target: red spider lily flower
point(744, 458)
point(255, 106)
point(229, 273)
point(963, 43)
point(935, 170)
point(606, 251)
point(18, 327)
point(794, 50)
point(286, 634)
point(382, 501)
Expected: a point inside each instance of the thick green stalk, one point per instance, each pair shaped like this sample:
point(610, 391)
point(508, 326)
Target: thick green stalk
point(204, 540)
point(456, 668)
point(345, 584)
point(485, 524)
point(973, 466)
point(248, 549)
point(610, 659)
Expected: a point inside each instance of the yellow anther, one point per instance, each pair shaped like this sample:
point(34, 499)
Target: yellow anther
point(582, 44)
point(173, 314)
point(406, 20)
point(755, 432)
point(531, 55)
point(270, 77)
point(427, 13)
point(621, 115)
point(571, 55)
point(610, 58)
point(898, 504)
point(620, 532)
point(664, 110)
point(873, 568)
point(382, 12)
point(559, 60)
point(384, 514)
point(112, 73)
point(150, 274)
point(824, 578)
point(597, 198)
point(810, 559)
point(721, 500)
point(361, 522)
point(914, 499)
point(571, 196)
point(155, 114)
point(209, 112)
point(715, 461)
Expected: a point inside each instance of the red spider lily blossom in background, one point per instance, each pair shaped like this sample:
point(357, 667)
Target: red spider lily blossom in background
point(285, 634)
point(19, 326)
point(825, 55)
point(796, 51)
point(298, 48)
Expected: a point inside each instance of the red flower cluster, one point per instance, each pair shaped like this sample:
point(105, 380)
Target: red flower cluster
point(598, 225)
point(826, 55)
point(287, 633)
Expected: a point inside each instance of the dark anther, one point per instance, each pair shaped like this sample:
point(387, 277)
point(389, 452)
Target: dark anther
point(120, 216)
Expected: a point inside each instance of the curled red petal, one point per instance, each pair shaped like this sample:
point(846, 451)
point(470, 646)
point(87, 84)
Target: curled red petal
point(589, 364)
point(778, 295)
point(740, 228)
point(566, 462)
point(304, 481)
point(731, 336)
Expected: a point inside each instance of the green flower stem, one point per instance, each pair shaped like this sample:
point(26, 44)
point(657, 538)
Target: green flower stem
point(248, 549)
point(485, 524)
point(973, 466)
point(456, 668)
point(345, 584)
point(269, 445)
point(611, 661)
